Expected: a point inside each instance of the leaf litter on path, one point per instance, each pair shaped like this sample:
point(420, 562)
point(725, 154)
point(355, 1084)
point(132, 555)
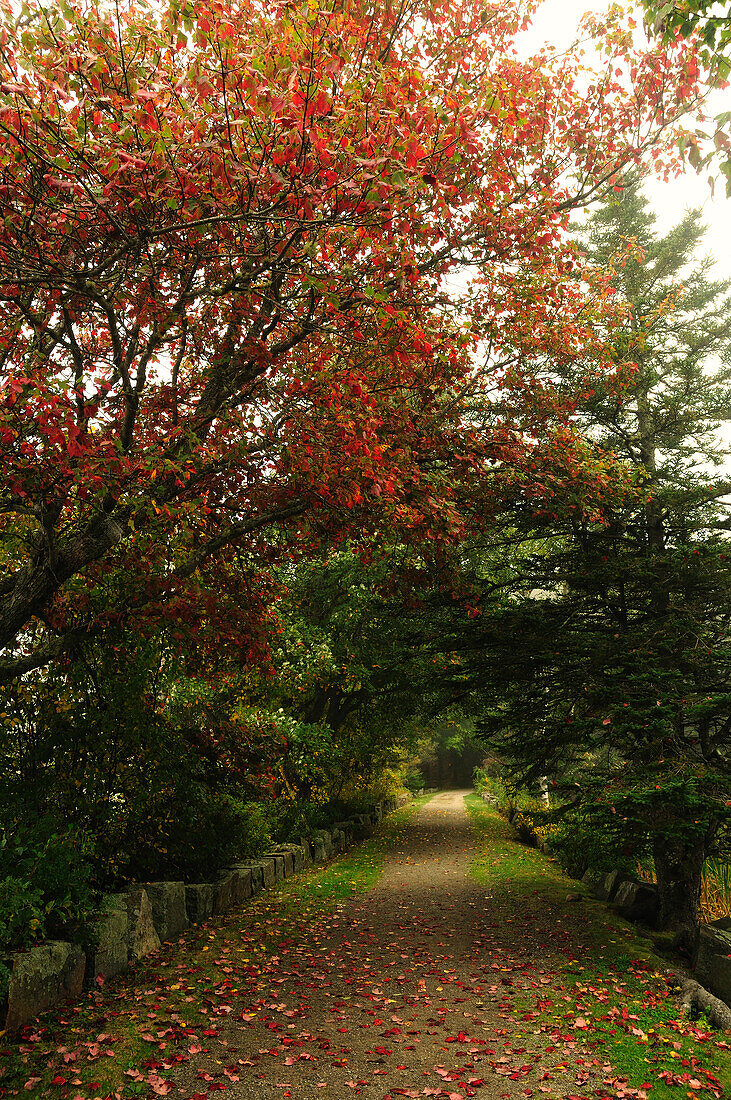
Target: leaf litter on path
point(435, 982)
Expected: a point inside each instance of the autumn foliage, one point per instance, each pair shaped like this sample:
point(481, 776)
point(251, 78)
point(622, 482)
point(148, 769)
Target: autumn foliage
point(226, 238)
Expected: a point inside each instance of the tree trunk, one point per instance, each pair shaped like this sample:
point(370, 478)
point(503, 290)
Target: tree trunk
point(678, 866)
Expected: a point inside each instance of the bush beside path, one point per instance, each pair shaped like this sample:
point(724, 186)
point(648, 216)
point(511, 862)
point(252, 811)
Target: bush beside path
point(440, 958)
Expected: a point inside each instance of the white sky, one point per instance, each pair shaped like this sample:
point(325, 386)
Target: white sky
point(557, 22)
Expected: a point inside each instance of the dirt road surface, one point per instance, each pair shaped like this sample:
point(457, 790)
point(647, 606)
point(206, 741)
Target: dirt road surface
point(412, 989)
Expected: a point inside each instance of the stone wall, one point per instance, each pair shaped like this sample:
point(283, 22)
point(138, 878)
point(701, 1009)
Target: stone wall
point(636, 900)
point(639, 901)
point(713, 961)
point(136, 921)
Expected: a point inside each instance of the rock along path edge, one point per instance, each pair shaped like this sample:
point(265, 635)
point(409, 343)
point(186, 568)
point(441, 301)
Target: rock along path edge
point(415, 988)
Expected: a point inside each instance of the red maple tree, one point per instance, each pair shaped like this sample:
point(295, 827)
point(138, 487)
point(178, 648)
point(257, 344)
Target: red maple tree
point(226, 235)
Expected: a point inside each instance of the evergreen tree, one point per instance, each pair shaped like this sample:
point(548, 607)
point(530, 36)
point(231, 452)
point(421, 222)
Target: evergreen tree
point(614, 668)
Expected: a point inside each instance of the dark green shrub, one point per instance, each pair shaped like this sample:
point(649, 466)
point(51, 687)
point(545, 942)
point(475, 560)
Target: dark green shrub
point(582, 841)
point(200, 831)
point(414, 780)
point(46, 883)
point(292, 818)
point(487, 782)
point(21, 912)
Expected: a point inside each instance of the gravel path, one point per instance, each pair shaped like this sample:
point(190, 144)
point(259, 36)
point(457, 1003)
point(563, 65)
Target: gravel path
point(408, 990)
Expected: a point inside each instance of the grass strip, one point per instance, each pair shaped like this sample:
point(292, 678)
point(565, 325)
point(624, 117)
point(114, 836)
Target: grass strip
point(605, 974)
point(98, 1049)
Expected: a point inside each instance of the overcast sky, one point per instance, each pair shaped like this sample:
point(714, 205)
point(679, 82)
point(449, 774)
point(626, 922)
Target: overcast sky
point(557, 22)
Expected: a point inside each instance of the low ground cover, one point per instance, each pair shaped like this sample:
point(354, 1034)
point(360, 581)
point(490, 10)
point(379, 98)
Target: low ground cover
point(123, 1038)
point(608, 984)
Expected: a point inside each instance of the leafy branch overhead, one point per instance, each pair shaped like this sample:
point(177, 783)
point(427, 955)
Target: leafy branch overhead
point(707, 25)
point(224, 237)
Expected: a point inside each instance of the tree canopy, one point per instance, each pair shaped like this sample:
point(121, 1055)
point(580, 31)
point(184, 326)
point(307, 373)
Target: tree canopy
point(319, 425)
point(225, 234)
point(705, 18)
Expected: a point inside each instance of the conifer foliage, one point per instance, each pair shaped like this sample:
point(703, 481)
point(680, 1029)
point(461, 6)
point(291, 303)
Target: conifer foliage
point(618, 676)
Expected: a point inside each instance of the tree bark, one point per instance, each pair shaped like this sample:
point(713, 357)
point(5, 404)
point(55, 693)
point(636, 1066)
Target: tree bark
point(32, 588)
point(679, 866)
